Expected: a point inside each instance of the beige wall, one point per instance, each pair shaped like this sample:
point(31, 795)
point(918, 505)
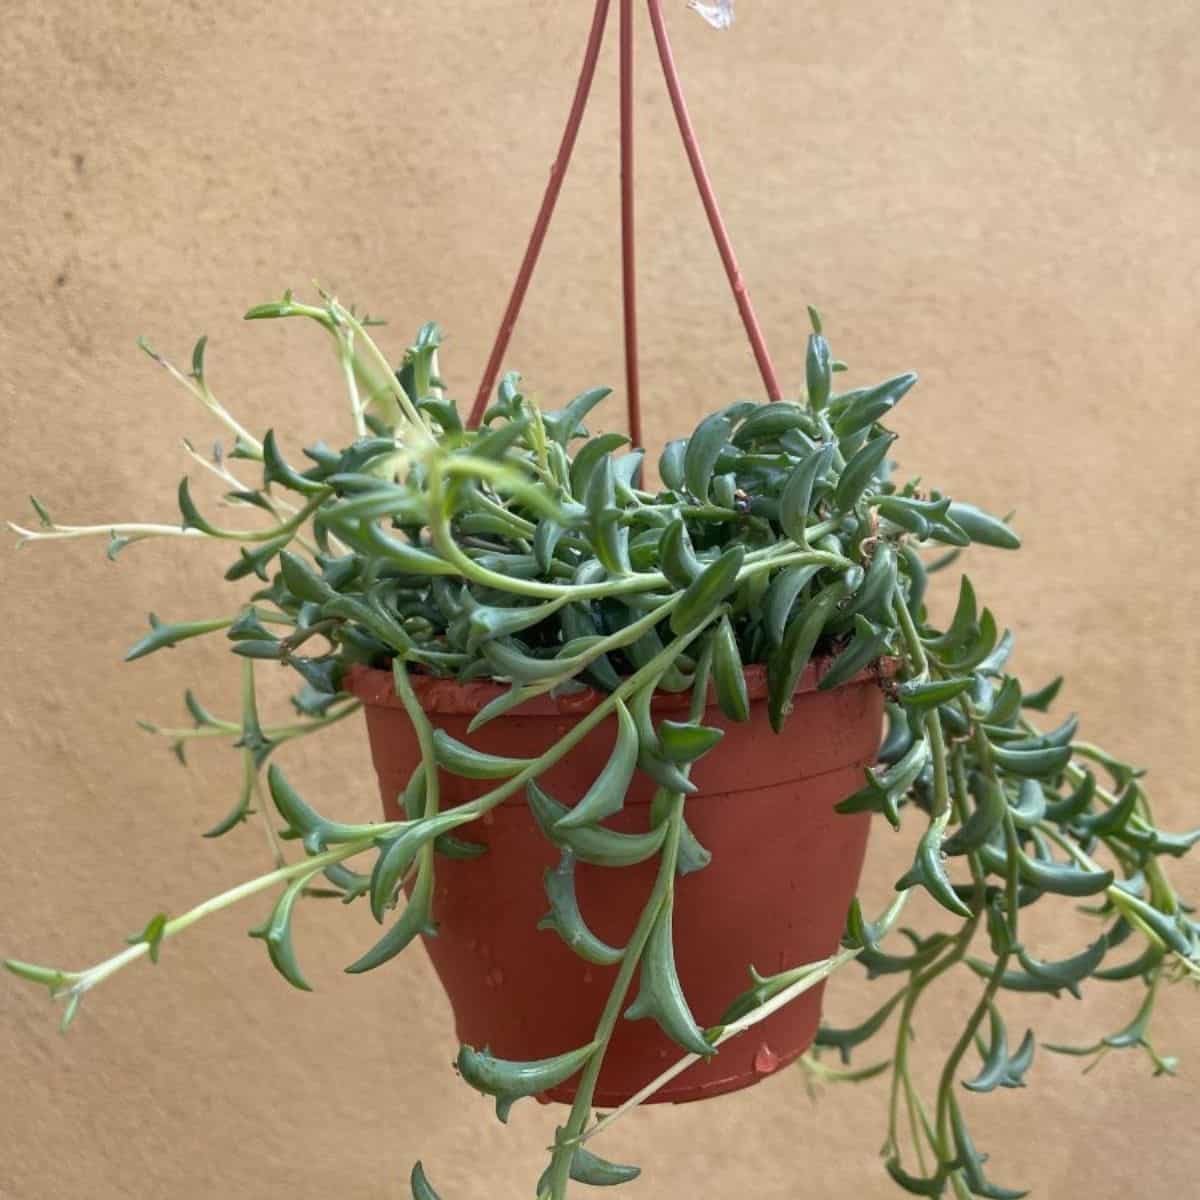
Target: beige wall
point(1003, 196)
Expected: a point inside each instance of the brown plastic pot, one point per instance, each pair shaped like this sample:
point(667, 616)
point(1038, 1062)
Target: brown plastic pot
point(784, 870)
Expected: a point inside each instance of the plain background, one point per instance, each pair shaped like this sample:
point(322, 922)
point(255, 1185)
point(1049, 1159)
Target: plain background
point(1003, 197)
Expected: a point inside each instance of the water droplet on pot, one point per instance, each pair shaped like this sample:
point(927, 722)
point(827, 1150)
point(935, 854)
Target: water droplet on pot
point(662, 1054)
point(488, 818)
point(495, 977)
point(472, 943)
point(765, 1060)
point(587, 976)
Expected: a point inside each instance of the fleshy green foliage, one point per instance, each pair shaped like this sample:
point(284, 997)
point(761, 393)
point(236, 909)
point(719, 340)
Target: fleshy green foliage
point(534, 553)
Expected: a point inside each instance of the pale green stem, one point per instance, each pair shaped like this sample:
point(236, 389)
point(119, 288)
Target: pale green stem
point(87, 979)
point(200, 390)
point(273, 733)
point(564, 1150)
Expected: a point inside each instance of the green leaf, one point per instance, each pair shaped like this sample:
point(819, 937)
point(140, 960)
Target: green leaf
point(152, 935)
point(929, 871)
point(1137, 967)
point(1030, 806)
point(845, 1040)
point(978, 649)
point(874, 598)
point(963, 625)
point(270, 649)
point(49, 977)
point(487, 621)
point(865, 648)
point(781, 597)
point(421, 1188)
point(415, 919)
point(410, 559)
point(918, 1186)
point(1070, 972)
point(972, 1162)
point(870, 405)
point(707, 591)
point(981, 824)
point(899, 737)
point(302, 581)
point(1041, 700)
point(982, 528)
point(461, 759)
point(670, 464)
point(1007, 703)
point(191, 514)
point(589, 457)
point(509, 662)
point(567, 921)
point(565, 425)
point(660, 995)
point(164, 635)
point(304, 822)
point(685, 742)
point(729, 678)
point(276, 931)
point(796, 498)
point(905, 512)
point(703, 449)
point(818, 370)
point(1063, 879)
point(508, 1081)
point(1032, 763)
point(768, 421)
point(607, 794)
point(1079, 801)
point(677, 559)
point(592, 843)
point(999, 1070)
point(764, 988)
point(44, 518)
point(545, 542)
point(998, 659)
point(860, 471)
point(591, 1169)
point(1166, 928)
point(930, 694)
point(610, 540)
point(885, 789)
point(248, 628)
point(1114, 819)
point(785, 668)
point(350, 883)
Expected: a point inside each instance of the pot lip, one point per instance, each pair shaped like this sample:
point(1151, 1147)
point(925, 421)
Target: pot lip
point(447, 697)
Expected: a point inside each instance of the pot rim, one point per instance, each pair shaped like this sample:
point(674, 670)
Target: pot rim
point(447, 697)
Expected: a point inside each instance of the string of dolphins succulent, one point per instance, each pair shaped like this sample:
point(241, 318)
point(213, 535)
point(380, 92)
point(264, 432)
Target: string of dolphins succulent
point(528, 552)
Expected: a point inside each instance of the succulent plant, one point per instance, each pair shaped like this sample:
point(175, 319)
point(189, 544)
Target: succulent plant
point(529, 552)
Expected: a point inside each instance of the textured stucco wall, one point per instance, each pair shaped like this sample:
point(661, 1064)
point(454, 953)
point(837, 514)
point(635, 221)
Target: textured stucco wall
point(1002, 196)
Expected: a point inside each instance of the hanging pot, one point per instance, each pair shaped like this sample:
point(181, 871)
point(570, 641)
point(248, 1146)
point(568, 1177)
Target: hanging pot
point(784, 869)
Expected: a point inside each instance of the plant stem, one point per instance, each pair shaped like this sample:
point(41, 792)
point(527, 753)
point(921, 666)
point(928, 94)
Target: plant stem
point(564, 1150)
point(815, 973)
point(582, 728)
point(87, 979)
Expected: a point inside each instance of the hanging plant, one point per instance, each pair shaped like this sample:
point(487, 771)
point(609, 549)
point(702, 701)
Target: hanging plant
point(633, 637)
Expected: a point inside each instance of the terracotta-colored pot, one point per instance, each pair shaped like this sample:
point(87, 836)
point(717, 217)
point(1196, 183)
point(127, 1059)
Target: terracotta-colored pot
point(784, 870)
